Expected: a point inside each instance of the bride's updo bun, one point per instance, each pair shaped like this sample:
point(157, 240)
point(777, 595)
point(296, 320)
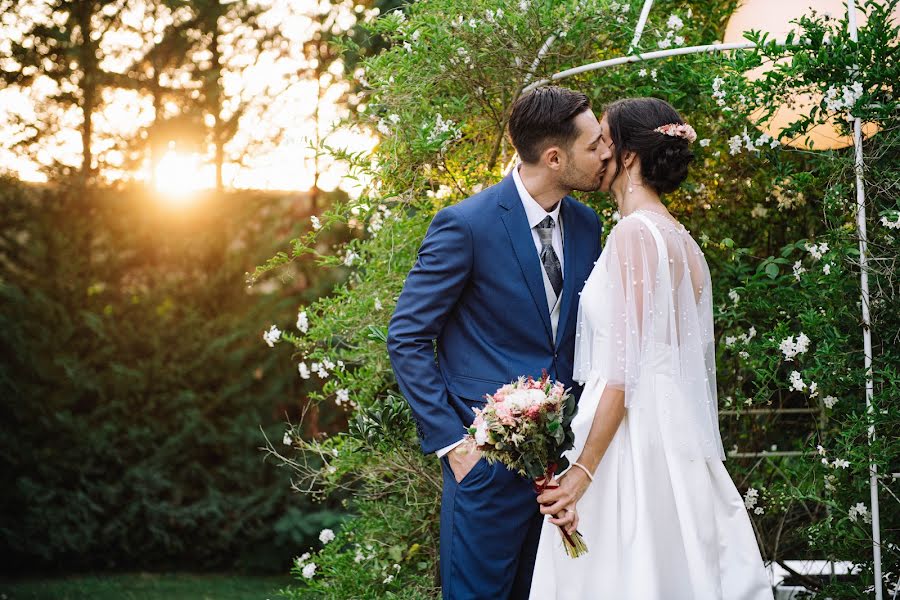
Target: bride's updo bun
point(664, 158)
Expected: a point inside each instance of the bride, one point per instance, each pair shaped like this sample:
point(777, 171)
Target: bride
point(661, 517)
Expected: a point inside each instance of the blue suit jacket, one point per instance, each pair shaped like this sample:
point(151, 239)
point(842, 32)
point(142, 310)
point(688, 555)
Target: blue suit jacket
point(477, 290)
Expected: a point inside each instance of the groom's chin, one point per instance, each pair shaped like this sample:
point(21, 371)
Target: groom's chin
point(589, 188)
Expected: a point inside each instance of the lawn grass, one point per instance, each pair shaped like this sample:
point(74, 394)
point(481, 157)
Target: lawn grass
point(144, 586)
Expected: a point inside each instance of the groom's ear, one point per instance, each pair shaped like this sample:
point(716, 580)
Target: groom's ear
point(552, 158)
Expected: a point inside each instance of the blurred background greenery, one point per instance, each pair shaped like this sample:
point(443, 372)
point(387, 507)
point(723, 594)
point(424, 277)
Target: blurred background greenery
point(152, 153)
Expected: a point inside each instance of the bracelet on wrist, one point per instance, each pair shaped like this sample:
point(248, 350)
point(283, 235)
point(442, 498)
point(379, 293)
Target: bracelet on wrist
point(585, 469)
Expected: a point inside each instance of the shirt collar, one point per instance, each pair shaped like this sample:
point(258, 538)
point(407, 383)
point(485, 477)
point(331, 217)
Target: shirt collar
point(533, 211)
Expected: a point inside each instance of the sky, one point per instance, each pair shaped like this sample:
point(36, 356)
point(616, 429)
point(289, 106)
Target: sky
point(286, 166)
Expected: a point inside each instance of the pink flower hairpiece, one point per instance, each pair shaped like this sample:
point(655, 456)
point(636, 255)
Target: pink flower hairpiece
point(682, 130)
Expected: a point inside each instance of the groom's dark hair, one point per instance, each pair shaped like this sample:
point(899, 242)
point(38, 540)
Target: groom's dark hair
point(545, 117)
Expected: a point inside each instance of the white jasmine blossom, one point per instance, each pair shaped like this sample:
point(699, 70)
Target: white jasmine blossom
point(719, 95)
point(302, 321)
point(891, 224)
point(350, 257)
point(860, 510)
point(751, 497)
point(826, 268)
point(316, 224)
point(309, 571)
point(300, 560)
point(272, 336)
point(797, 381)
point(286, 440)
point(704, 142)
point(798, 270)
point(679, 40)
point(730, 340)
point(817, 252)
point(642, 73)
point(820, 449)
point(791, 348)
point(674, 22)
point(840, 463)
point(303, 370)
point(735, 297)
point(829, 401)
point(758, 510)
point(342, 396)
point(326, 535)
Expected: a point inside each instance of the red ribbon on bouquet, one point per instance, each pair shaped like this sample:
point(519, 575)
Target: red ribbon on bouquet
point(575, 546)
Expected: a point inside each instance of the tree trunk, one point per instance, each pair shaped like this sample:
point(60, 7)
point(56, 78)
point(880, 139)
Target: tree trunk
point(88, 85)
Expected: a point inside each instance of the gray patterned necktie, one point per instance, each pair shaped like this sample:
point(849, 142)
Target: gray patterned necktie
point(548, 255)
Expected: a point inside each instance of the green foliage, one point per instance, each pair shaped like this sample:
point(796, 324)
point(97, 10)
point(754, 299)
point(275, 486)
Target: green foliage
point(134, 382)
point(777, 225)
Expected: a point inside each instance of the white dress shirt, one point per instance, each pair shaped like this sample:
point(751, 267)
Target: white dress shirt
point(535, 213)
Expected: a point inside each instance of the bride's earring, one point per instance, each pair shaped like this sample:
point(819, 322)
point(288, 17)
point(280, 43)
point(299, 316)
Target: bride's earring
point(630, 182)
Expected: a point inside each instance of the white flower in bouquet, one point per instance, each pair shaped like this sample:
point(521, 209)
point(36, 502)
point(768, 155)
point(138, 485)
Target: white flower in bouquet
point(309, 570)
point(481, 432)
point(527, 427)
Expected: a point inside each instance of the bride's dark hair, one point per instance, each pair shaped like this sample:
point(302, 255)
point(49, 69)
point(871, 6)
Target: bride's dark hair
point(664, 159)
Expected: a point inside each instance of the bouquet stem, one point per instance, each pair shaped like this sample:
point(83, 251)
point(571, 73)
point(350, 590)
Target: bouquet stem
point(573, 543)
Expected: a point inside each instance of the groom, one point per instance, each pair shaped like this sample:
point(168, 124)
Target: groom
point(496, 285)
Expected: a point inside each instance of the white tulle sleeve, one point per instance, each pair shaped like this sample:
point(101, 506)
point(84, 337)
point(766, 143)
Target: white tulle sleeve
point(646, 313)
point(612, 320)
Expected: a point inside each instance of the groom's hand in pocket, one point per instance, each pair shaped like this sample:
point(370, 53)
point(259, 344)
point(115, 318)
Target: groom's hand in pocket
point(462, 459)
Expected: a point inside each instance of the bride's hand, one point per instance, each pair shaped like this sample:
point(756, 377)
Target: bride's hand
point(571, 488)
point(568, 519)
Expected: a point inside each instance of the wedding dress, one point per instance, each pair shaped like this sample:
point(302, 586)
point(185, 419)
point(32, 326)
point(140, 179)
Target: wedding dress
point(662, 519)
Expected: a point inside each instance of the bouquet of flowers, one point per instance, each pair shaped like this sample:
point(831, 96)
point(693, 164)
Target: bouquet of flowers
point(527, 425)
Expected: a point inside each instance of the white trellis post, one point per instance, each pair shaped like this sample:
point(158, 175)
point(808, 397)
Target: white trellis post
point(867, 333)
point(639, 30)
point(860, 223)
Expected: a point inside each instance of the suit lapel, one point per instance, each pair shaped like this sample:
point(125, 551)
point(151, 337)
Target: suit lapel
point(520, 237)
point(570, 256)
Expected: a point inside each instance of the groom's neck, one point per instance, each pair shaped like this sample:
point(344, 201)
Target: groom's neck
point(542, 185)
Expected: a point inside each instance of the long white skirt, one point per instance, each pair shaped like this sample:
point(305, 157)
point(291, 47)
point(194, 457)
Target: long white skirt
point(659, 521)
